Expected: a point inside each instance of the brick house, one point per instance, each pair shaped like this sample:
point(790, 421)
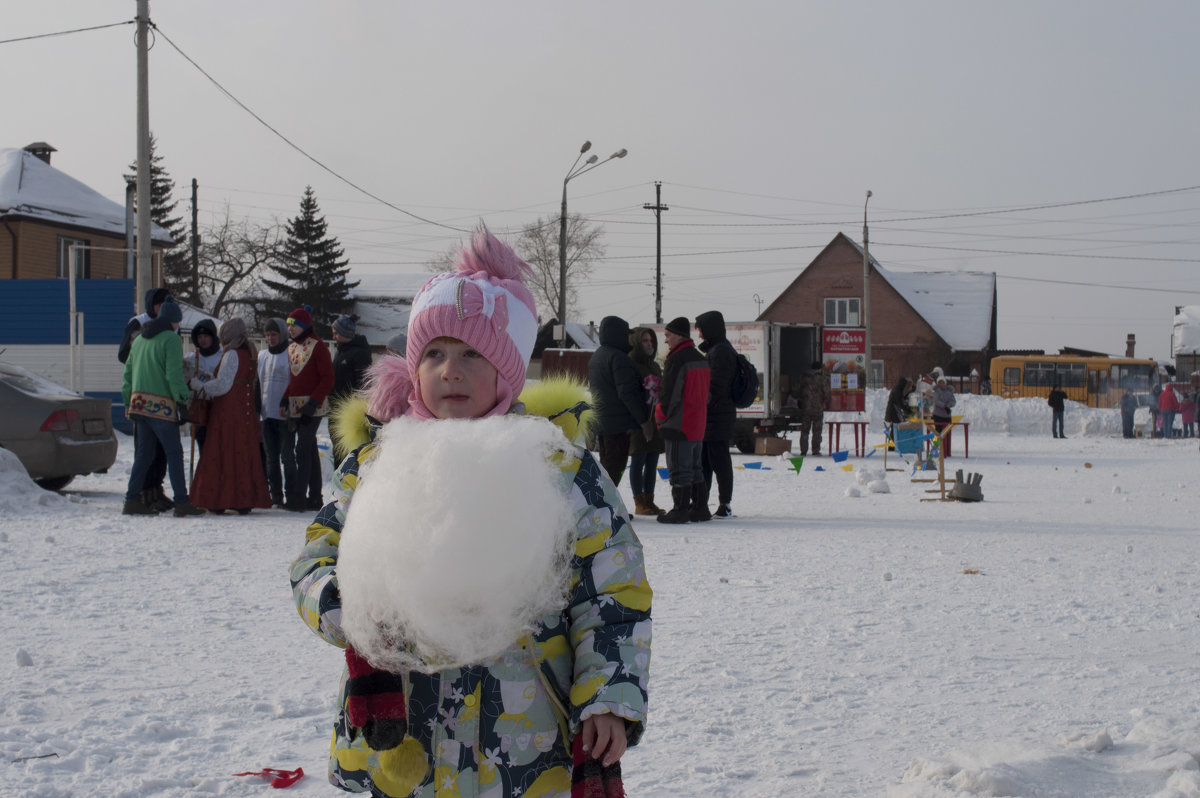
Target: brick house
point(43, 212)
point(919, 320)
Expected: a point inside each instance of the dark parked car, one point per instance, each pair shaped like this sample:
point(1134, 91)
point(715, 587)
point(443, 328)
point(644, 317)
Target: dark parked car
point(55, 433)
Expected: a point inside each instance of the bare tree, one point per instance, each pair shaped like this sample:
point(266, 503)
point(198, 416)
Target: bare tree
point(538, 246)
point(234, 256)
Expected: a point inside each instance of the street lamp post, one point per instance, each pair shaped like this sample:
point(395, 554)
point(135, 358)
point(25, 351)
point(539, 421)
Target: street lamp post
point(575, 171)
point(866, 308)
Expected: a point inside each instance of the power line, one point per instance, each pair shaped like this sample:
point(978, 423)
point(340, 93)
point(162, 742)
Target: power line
point(297, 147)
point(1043, 254)
point(1097, 285)
point(66, 32)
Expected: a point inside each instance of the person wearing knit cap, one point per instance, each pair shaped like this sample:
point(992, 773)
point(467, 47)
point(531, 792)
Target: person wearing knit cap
point(305, 402)
point(155, 393)
point(681, 414)
point(230, 475)
point(279, 442)
point(575, 684)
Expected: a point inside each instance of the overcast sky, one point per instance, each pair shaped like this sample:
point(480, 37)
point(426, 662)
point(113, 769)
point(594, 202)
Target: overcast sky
point(1053, 143)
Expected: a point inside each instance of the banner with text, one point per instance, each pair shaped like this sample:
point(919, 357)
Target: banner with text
point(843, 354)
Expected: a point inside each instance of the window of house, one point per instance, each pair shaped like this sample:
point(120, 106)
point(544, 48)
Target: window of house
point(82, 254)
point(842, 312)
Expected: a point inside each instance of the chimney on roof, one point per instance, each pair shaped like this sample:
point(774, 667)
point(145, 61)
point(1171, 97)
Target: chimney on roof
point(41, 149)
point(1130, 342)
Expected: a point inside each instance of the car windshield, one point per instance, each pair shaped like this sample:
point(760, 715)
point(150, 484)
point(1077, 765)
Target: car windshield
point(30, 383)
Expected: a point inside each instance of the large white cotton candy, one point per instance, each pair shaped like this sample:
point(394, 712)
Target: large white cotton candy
point(458, 538)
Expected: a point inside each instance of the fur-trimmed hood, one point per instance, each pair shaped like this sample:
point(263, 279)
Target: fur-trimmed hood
point(359, 417)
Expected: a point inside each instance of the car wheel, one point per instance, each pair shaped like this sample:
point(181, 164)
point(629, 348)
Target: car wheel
point(54, 483)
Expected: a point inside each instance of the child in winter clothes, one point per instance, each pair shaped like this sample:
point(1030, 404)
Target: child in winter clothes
point(556, 702)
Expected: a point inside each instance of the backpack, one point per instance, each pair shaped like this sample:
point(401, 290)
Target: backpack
point(744, 389)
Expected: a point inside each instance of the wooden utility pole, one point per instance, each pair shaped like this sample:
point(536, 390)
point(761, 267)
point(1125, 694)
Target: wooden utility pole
point(145, 268)
point(658, 208)
point(195, 247)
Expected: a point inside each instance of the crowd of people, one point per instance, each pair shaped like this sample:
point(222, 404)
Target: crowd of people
point(253, 414)
point(683, 409)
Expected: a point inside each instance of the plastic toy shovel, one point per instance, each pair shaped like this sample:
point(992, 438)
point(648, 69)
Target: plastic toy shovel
point(279, 778)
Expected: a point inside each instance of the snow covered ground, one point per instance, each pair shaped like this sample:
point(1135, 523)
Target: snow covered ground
point(1042, 642)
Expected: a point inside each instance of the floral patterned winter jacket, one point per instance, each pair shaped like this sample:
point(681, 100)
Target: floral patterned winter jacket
point(465, 722)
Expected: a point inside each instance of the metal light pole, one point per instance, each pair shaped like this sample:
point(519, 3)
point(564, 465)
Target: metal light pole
point(866, 308)
point(575, 171)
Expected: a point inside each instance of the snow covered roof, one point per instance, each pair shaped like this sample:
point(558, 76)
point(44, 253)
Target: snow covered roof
point(958, 305)
point(585, 336)
point(1185, 331)
point(34, 189)
point(192, 316)
point(382, 303)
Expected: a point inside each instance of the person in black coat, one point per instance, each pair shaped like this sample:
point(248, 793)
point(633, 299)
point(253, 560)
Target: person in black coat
point(897, 404)
point(618, 398)
point(352, 360)
point(1128, 408)
point(718, 430)
point(1057, 405)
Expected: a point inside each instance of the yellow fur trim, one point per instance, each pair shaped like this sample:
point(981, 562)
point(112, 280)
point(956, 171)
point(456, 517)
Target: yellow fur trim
point(348, 425)
point(554, 394)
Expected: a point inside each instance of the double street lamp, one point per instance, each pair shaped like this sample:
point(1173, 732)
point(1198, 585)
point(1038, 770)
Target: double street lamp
point(575, 171)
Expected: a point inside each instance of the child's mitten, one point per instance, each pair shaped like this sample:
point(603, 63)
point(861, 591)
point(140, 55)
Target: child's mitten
point(375, 702)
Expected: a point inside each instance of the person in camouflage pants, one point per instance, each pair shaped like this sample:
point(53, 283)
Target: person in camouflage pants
point(814, 398)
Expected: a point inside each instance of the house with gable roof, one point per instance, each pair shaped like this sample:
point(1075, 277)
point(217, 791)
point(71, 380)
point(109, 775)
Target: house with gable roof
point(920, 321)
point(50, 226)
point(44, 211)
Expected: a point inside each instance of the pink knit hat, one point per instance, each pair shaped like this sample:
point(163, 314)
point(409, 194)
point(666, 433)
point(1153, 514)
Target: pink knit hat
point(483, 303)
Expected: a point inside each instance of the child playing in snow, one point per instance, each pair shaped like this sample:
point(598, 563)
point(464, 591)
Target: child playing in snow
point(471, 672)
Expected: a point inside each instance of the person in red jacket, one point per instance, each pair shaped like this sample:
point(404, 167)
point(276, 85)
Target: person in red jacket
point(305, 402)
point(682, 413)
point(1168, 406)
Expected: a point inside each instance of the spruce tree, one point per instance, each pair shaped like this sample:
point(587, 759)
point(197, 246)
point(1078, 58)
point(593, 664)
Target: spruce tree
point(177, 261)
point(315, 272)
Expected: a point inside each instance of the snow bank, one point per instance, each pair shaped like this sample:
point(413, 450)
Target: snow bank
point(1027, 416)
point(17, 490)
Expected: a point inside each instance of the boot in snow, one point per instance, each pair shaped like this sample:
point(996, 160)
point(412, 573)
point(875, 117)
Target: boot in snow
point(679, 513)
point(699, 511)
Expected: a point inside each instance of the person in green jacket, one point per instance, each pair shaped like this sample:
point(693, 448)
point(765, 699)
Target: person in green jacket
point(155, 394)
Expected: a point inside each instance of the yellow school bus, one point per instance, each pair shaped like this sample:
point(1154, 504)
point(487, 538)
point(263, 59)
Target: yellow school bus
point(1093, 381)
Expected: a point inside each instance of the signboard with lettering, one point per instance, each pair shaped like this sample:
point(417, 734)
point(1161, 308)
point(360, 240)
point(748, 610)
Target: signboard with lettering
point(843, 354)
